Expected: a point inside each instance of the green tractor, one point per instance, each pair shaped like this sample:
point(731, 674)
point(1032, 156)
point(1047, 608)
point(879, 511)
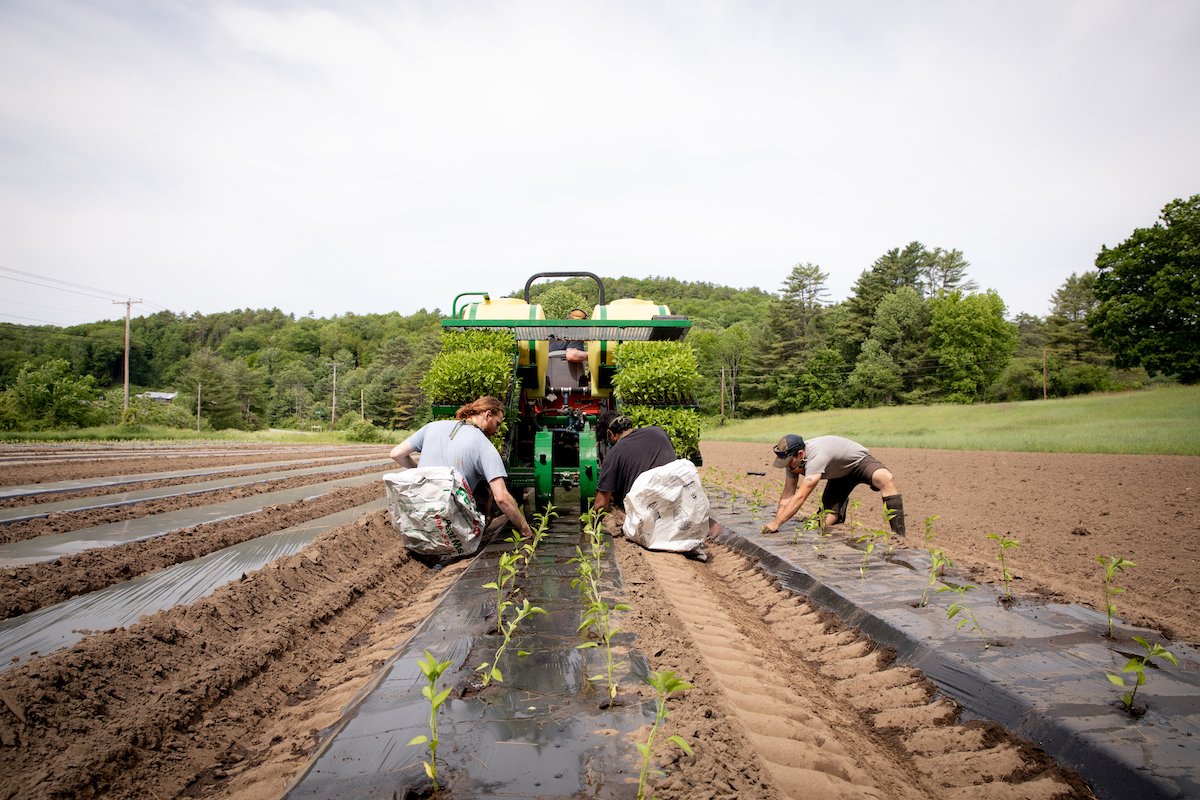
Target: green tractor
point(548, 440)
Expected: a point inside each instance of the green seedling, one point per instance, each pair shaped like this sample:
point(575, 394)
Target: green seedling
point(507, 627)
point(884, 533)
point(1112, 565)
point(505, 578)
point(811, 523)
point(758, 499)
point(1005, 543)
point(937, 565)
point(963, 611)
point(869, 538)
point(1137, 665)
point(432, 669)
point(598, 617)
point(929, 534)
point(733, 496)
point(855, 523)
point(823, 533)
point(665, 684)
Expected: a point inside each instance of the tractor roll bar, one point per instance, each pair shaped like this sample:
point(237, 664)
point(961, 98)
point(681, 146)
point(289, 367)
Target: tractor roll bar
point(599, 283)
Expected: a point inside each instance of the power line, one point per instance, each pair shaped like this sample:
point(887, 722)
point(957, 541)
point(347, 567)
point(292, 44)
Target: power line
point(64, 283)
point(57, 288)
point(50, 308)
point(30, 319)
point(111, 294)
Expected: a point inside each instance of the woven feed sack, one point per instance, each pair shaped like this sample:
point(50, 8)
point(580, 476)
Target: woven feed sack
point(666, 508)
point(433, 511)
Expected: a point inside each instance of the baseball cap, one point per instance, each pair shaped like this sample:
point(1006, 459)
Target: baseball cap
point(787, 447)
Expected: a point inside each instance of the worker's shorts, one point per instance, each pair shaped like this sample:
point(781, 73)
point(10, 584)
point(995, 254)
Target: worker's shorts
point(836, 496)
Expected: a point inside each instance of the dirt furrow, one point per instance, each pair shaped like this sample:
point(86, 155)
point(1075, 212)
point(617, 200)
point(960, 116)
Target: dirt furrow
point(220, 697)
point(28, 588)
point(47, 468)
point(810, 745)
point(973, 759)
point(78, 520)
point(137, 486)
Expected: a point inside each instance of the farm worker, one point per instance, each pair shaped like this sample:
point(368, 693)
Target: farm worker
point(576, 353)
point(464, 443)
point(631, 452)
point(843, 464)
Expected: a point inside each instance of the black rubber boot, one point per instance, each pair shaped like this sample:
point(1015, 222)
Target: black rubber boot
point(895, 503)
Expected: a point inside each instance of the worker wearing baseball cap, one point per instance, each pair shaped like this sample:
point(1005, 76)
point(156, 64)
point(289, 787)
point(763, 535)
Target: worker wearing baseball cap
point(843, 464)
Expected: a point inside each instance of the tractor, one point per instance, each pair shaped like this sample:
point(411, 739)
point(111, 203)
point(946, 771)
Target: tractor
point(552, 404)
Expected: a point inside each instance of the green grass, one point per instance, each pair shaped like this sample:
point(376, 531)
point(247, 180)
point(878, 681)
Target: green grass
point(1161, 421)
point(156, 433)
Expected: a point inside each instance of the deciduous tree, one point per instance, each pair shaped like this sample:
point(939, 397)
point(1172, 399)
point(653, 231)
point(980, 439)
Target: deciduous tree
point(1148, 288)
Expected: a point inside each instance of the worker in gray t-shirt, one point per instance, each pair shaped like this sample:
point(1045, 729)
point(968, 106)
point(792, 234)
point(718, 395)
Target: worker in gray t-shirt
point(463, 443)
point(844, 464)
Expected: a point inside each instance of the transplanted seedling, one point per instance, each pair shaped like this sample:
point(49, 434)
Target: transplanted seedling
point(929, 534)
point(507, 574)
point(598, 617)
point(1005, 543)
point(964, 613)
point(665, 683)
point(1137, 665)
point(758, 498)
point(937, 565)
point(1112, 565)
point(507, 627)
point(432, 669)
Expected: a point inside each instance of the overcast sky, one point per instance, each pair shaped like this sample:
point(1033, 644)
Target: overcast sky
point(385, 155)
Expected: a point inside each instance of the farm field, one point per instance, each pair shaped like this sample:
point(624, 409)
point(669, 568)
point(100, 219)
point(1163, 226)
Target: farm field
point(232, 693)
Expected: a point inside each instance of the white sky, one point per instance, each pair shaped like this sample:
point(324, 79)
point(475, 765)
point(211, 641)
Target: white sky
point(385, 155)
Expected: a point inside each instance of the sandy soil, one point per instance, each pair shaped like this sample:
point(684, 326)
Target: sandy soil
point(227, 697)
point(1065, 510)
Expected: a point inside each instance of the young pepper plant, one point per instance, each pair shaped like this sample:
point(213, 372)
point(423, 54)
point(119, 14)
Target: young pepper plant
point(938, 561)
point(1137, 665)
point(1112, 565)
point(432, 669)
point(507, 627)
point(665, 683)
point(967, 615)
point(1004, 543)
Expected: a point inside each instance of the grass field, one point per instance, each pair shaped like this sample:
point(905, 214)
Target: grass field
point(1162, 421)
point(155, 433)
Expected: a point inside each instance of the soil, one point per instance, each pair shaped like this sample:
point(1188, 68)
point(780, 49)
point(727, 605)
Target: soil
point(230, 696)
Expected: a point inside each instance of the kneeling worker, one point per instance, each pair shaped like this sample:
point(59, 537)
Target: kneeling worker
point(464, 443)
point(633, 453)
point(843, 464)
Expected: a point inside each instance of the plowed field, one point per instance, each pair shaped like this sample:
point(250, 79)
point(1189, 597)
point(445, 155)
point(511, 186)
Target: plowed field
point(231, 694)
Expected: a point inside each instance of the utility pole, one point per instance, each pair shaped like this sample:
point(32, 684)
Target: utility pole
point(197, 406)
point(722, 393)
point(333, 408)
point(127, 304)
point(1043, 373)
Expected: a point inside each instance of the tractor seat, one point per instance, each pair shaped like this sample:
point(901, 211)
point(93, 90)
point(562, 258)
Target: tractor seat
point(562, 374)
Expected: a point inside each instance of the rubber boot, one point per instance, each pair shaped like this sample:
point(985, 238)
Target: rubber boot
point(895, 503)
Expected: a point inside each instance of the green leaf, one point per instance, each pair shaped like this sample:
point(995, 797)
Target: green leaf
point(682, 744)
point(1115, 679)
point(422, 739)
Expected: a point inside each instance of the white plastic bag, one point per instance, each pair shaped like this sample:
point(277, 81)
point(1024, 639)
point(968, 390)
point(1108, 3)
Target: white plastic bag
point(666, 508)
point(433, 511)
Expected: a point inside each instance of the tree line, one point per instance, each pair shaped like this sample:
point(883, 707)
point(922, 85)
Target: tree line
point(915, 329)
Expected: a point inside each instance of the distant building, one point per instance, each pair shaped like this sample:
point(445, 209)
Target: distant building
point(159, 397)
